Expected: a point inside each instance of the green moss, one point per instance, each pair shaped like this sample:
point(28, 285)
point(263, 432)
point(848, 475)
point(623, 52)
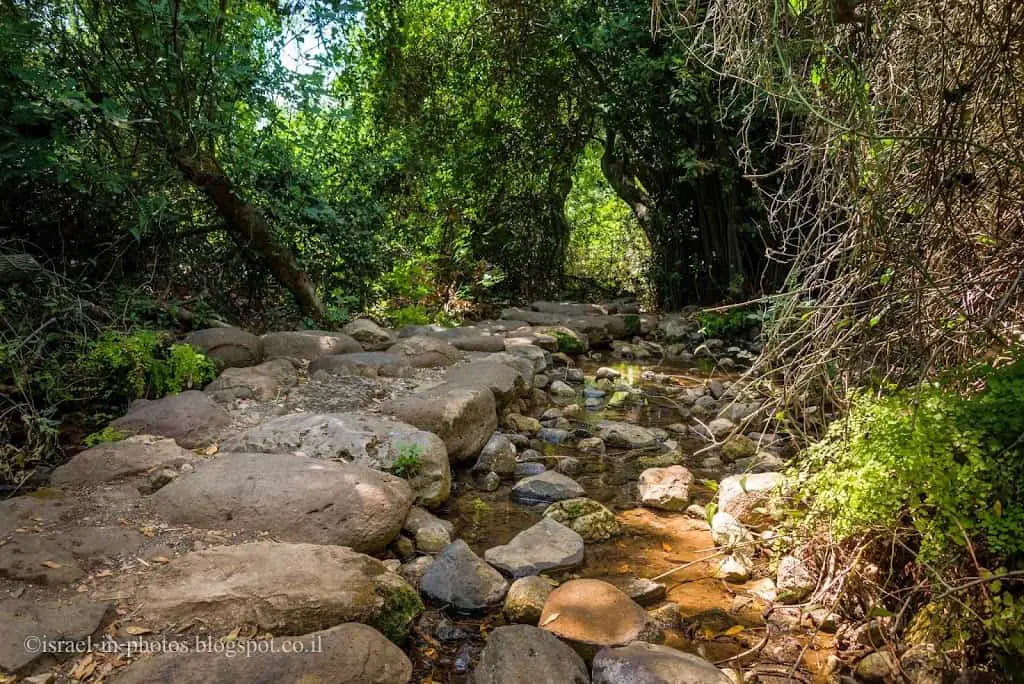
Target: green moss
point(107, 434)
point(632, 322)
point(567, 343)
point(401, 606)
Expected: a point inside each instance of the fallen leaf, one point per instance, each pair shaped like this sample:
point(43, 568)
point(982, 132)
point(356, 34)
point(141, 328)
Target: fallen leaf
point(136, 630)
point(104, 573)
point(211, 450)
point(22, 530)
point(551, 618)
point(160, 559)
point(666, 547)
point(624, 568)
point(84, 667)
point(733, 631)
point(148, 531)
point(52, 564)
point(232, 635)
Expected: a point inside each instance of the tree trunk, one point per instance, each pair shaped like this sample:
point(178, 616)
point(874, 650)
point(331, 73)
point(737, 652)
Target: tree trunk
point(247, 226)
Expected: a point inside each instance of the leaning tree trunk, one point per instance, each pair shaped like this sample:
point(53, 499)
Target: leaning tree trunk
point(246, 224)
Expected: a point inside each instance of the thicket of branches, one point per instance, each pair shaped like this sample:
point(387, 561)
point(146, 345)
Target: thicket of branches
point(900, 198)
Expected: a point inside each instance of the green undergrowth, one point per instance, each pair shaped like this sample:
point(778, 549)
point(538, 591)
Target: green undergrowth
point(941, 465)
point(729, 323)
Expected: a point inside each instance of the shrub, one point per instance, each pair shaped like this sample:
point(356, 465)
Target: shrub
point(729, 323)
point(104, 436)
point(409, 461)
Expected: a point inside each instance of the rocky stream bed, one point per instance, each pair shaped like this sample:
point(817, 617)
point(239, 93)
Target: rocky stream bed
point(558, 496)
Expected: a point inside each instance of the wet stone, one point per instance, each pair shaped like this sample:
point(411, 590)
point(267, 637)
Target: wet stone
point(547, 487)
point(460, 578)
point(548, 545)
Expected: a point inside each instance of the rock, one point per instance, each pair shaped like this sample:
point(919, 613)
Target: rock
point(547, 488)
point(363, 364)
point(736, 447)
point(521, 423)
point(644, 591)
point(520, 364)
point(553, 435)
point(361, 438)
point(529, 468)
point(480, 343)
point(192, 419)
point(488, 482)
point(307, 345)
point(762, 462)
point(294, 498)
point(727, 532)
point(795, 581)
point(665, 488)
point(521, 654)
point(426, 352)
point(625, 435)
point(592, 613)
point(880, 666)
point(620, 399)
point(64, 556)
point(282, 588)
point(498, 456)
point(570, 308)
point(538, 358)
point(735, 568)
point(262, 383)
point(116, 460)
point(568, 341)
point(925, 664)
point(413, 571)
point(605, 373)
point(347, 654)
point(227, 347)
point(747, 497)
point(161, 478)
point(561, 389)
point(591, 445)
point(531, 317)
point(642, 663)
point(31, 628)
point(371, 336)
point(659, 620)
point(430, 533)
point(464, 418)
point(718, 428)
point(568, 465)
point(588, 518)
point(505, 382)
point(526, 597)
point(548, 545)
point(462, 579)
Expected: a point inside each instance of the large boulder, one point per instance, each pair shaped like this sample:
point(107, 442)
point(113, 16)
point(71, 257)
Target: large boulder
point(570, 308)
point(363, 364)
point(531, 317)
point(372, 441)
point(479, 343)
point(307, 345)
point(294, 498)
point(227, 347)
point(65, 556)
point(592, 614)
point(192, 419)
point(520, 654)
point(370, 335)
point(585, 517)
point(463, 417)
point(426, 352)
point(643, 663)
point(665, 488)
point(546, 488)
point(116, 460)
point(505, 382)
point(620, 435)
point(281, 588)
point(548, 545)
point(31, 629)
point(748, 497)
point(460, 578)
point(350, 653)
point(538, 357)
point(262, 383)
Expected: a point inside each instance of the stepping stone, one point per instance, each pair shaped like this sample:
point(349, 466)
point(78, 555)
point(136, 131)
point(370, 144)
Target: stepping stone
point(548, 545)
point(363, 364)
point(462, 579)
point(192, 419)
point(667, 489)
point(294, 498)
point(521, 654)
point(426, 352)
point(479, 343)
point(526, 598)
point(369, 440)
point(63, 556)
point(592, 614)
point(117, 460)
point(643, 663)
point(51, 619)
point(262, 383)
point(546, 488)
point(586, 517)
point(281, 588)
point(347, 654)
point(307, 345)
point(464, 418)
point(371, 336)
point(227, 347)
point(625, 435)
point(505, 382)
point(498, 456)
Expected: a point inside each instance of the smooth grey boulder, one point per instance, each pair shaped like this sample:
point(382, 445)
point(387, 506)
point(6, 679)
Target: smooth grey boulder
point(462, 579)
point(371, 336)
point(548, 487)
point(548, 545)
point(426, 352)
point(294, 498)
point(375, 364)
point(370, 440)
point(463, 417)
point(262, 383)
point(521, 654)
point(497, 456)
point(192, 419)
point(53, 619)
point(307, 345)
point(643, 663)
point(227, 347)
point(621, 435)
point(64, 557)
point(479, 343)
point(505, 382)
point(117, 460)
